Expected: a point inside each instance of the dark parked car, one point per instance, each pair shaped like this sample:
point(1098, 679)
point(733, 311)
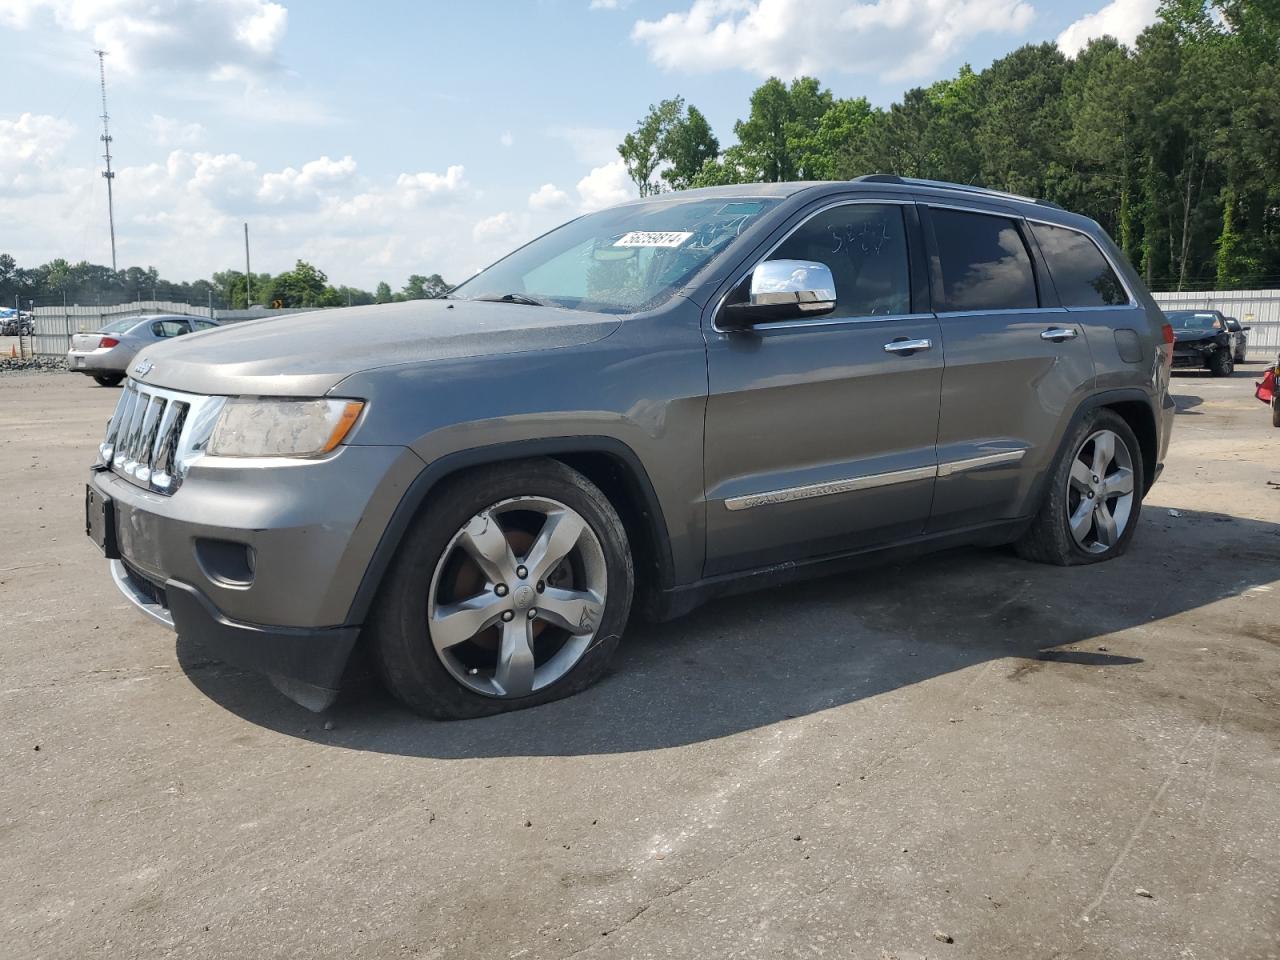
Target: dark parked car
point(679, 397)
point(1241, 338)
point(1204, 339)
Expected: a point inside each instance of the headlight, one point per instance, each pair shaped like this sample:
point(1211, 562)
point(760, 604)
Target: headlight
point(282, 428)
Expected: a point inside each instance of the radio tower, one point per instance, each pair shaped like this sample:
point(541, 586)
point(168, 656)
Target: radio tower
point(106, 144)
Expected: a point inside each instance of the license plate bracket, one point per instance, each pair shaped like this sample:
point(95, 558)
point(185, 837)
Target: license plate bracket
point(100, 521)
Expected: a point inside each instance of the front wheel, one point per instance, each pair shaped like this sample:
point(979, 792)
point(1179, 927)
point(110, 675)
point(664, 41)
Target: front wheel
point(1221, 364)
point(1094, 496)
point(511, 589)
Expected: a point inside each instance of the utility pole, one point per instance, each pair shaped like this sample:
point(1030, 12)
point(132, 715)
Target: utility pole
point(107, 174)
point(248, 277)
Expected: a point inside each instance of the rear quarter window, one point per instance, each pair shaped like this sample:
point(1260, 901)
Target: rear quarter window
point(984, 260)
point(1080, 272)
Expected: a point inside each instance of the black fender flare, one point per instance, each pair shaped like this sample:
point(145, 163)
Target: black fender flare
point(437, 470)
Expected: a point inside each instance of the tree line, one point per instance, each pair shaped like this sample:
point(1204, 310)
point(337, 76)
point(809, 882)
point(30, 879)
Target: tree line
point(59, 281)
point(1173, 144)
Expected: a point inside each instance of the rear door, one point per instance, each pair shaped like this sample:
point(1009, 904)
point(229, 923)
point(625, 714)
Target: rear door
point(1017, 364)
point(820, 432)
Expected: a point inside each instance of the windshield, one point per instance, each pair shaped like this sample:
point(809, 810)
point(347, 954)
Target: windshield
point(1194, 321)
point(622, 260)
point(123, 325)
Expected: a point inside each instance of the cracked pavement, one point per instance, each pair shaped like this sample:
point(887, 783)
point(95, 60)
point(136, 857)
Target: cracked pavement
point(965, 746)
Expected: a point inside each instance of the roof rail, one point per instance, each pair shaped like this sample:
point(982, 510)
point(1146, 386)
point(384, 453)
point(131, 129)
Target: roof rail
point(944, 185)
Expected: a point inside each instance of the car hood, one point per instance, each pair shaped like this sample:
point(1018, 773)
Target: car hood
point(306, 354)
point(1194, 336)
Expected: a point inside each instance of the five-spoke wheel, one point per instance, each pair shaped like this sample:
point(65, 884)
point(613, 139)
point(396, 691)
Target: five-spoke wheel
point(516, 596)
point(1100, 492)
point(512, 588)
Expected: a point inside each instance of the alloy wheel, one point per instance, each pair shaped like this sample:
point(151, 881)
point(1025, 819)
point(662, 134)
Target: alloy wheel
point(516, 597)
point(1100, 492)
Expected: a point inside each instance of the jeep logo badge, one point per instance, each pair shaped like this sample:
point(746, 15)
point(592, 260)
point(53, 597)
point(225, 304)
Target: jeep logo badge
point(143, 368)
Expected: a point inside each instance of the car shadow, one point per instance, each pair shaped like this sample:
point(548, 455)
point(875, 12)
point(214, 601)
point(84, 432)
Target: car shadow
point(1185, 402)
point(744, 662)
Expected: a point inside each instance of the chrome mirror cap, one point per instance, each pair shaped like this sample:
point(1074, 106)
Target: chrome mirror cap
point(804, 283)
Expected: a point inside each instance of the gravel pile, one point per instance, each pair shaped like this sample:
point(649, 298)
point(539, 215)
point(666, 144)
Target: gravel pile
point(12, 364)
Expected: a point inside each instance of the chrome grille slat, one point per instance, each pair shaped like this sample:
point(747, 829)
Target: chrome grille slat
point(156, 433)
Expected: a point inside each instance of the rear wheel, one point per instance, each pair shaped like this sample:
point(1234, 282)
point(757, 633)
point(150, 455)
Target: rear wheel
point(1221, 363)
point(108, 379)
point(1094, 496)
point(511, 589)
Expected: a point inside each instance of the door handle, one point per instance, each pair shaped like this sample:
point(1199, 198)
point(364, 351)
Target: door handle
point(1058, 334)
point(907, 346)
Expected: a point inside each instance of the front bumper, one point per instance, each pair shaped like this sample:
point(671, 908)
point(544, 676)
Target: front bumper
point(310, 527)
point(306, 664)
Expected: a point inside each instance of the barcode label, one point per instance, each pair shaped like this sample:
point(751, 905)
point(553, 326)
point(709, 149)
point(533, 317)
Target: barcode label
point(643, 238)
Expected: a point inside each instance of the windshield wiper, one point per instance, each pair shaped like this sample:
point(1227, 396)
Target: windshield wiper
point(514, 298)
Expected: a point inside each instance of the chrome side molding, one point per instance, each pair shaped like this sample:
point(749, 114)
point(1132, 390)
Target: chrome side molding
point(871, 481)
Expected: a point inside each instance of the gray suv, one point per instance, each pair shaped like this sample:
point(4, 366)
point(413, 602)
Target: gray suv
point(649, 406)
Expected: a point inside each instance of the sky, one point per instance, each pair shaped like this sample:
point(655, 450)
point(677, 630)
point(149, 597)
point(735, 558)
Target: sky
point(380, 139)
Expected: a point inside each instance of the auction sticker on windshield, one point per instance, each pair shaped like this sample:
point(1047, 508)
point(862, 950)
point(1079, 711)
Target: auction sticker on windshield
point(645, 238)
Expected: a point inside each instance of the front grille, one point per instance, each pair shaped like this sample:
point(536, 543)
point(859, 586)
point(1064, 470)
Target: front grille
point(145, 585)
point(154, 435)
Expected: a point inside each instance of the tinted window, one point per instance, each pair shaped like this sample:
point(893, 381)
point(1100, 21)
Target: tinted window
point(985, 264)
point(865, 247)
point(1233, 325)
point(1079, 270)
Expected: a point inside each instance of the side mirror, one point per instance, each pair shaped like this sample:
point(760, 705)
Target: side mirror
point(782, 290)
point(1246, 328)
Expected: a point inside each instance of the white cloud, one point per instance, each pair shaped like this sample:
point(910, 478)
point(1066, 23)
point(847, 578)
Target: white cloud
point(314, 179)
point(1122, 19)
point(608, 4)
point(174, 35)
point(168, 132)
point(506, 139)
point(499, 227)
point(416, 187)
point(605, 186)
point(31, 150)
point(548, 197)
point(896, 38)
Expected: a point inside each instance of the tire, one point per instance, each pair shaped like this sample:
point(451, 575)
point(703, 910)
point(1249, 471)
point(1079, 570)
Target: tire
point(437, 573)
point(1221, 364)
point(1070, 488)
point(1275, 412)
point(108, 379)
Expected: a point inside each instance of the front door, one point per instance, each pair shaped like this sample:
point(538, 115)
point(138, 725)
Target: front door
point(820, 432)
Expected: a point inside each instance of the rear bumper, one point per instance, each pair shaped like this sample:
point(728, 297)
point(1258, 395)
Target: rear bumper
point(307, 663)
point(110, 362)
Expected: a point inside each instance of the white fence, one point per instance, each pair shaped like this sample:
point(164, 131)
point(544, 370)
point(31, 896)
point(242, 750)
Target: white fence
point(55, 325)
point(1257, 309)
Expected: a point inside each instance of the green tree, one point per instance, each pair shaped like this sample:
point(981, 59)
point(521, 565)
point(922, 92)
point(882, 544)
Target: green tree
point(642, 150)
point(419, 287)
point(383, 293)
point(687, 145)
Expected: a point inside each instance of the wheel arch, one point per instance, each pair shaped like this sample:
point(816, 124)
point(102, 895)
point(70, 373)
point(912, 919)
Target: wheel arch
point(1134, 407)
point(606, 461)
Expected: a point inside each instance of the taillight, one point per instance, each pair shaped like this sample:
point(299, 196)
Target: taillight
point(1167, 331)
point(108, 342)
